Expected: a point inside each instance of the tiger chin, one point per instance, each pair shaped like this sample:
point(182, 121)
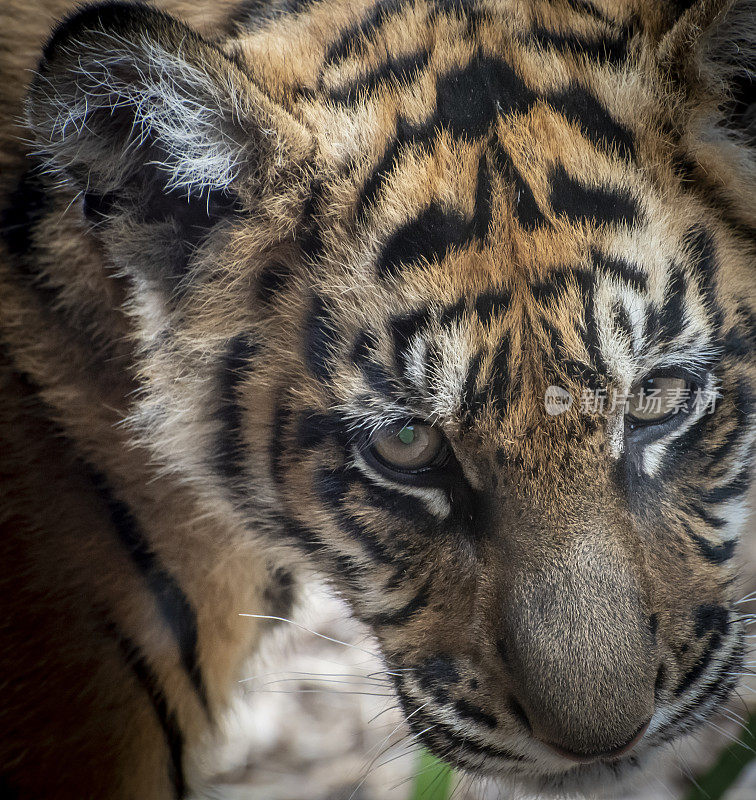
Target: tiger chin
point(449, 301)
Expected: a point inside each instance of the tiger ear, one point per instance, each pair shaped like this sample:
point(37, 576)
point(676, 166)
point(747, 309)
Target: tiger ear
point(143, 115)
point(709, 52)
point(707, 58)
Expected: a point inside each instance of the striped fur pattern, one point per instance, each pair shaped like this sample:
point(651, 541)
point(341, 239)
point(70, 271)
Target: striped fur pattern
point(234, 260)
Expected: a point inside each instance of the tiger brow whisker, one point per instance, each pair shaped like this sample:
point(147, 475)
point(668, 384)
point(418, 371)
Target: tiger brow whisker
point(325, 691)
point(314, 678)
point(396, 707)
point(413, 746)
point(729, 736)
point(309, 630)
point(395, 729)
point(372, 763)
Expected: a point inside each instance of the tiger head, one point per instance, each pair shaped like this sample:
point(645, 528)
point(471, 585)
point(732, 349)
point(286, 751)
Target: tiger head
point(455, 300)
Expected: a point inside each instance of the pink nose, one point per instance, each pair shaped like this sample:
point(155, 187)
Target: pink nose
point(587, 758)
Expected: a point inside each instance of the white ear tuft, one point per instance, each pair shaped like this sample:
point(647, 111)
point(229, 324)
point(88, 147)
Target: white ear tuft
point(123, 87)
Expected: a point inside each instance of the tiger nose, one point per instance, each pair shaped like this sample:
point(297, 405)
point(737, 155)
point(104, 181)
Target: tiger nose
point(616, 752)
point(579, 656)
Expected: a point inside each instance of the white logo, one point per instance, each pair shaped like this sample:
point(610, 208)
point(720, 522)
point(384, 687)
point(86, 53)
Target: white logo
point(557, 400)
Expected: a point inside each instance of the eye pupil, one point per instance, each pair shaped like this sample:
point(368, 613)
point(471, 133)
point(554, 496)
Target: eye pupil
point(407, 435)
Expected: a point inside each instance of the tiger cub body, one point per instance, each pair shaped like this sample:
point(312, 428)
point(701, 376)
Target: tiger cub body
point(354, 288)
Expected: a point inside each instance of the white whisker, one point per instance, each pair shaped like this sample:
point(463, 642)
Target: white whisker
point(309, 630)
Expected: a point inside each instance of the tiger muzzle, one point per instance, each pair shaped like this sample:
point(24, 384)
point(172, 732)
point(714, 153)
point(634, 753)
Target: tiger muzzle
point(580, 654)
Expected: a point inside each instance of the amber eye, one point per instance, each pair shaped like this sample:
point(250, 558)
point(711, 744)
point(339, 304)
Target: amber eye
point(657, 399)
point(411, 448)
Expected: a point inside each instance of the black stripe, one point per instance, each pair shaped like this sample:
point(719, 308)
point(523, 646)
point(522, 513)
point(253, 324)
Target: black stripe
point(441, 736)
point(401, 506)
point(582, 203)
point(472, 712)
point(396, 69)
point(605, 50)
point(406, 135)
point(403, 330)
point(500, 375)
point(456, 7)
point(272, 281)
point(701, 665)
point(483, 207)
point(620, 268)
point(349, 571)
point(403, 615)
point(556, 341)
point(672, 317)
point(282, 418)
point(314, 428)
point(175, 607)
point(738, 486)
point(584, 373)
point(320, 337)
point(470, 397)
point(701, 245)
point(147, 679)
point(586, 7)
point(711, 691)
point(468, 101)
point(429, 236)
point(27, 204)
point(559, 282)
point(743, 406)
point(230, 449)
point(280, 593)
point(251, 14)
point(503, 651)
point(684, 167)
point(709, 617)
point(741, 339)
point(311, 240)
point(714, 553)
point(653, 625)
point(592, 338)
point(332, 486)
point(691, 438)
point(352, 38)
point(650, 323)
point(440, 669)
point(707, 517)
point(528, 214)
point(471, 98)
point(452, 314)
point(490, 304)
point(623, 322)
point(364, 357)
point(582, 108)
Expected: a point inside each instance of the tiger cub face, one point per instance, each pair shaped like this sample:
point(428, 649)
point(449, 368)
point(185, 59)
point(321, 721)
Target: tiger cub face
point(465, 328)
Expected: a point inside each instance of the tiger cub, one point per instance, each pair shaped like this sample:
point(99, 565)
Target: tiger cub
point(449, 301)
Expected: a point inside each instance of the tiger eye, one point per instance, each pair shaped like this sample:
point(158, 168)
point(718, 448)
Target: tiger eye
point(657, 398)
point(412, 447)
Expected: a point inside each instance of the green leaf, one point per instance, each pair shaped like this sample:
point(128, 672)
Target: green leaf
point(433, 779)
point(728, 767)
